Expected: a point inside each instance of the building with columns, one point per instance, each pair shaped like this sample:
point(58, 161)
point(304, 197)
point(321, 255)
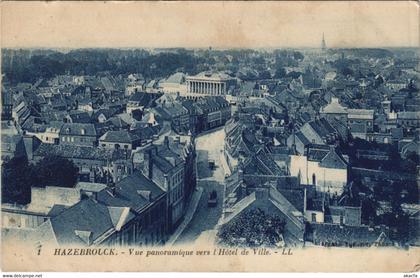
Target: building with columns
point(209, 84)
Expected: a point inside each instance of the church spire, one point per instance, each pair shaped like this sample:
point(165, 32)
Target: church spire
point(323, 44)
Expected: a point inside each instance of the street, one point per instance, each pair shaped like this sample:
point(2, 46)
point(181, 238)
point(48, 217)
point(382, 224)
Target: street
point(209, 147)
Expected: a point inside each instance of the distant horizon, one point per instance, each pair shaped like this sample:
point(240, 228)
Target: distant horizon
point(206, 48)
point(221, 25)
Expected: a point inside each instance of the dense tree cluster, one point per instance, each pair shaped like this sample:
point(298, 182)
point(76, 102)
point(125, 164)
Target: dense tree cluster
point(253, 228)
point(26, 66)
point(394, 163)
point(18, 176)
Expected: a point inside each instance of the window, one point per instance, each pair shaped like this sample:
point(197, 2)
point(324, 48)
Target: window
point(313, 217)
point(313, 179)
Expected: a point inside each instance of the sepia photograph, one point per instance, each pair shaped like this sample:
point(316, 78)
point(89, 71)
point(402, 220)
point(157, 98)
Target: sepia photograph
point(210, 136)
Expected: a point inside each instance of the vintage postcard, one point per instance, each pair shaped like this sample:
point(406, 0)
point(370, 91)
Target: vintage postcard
point(210, 136)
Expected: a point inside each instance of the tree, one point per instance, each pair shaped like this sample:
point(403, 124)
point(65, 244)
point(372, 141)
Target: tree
point(280, 72)
point(56, 171)
point(17, 179)
point(298, 55)
point(253, 228)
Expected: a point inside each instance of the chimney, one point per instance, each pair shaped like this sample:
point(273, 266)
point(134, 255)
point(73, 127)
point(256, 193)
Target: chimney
point(29, 144)
point(148, 163)
point(240, 175)
point(85, 236)
point(166, 141)
point(166, 181)
point(146, 194)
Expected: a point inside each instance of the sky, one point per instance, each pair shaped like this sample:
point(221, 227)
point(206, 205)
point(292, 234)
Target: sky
point(204, 24)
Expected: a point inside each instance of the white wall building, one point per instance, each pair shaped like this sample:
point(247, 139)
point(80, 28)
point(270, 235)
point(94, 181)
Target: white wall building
point(321, 167)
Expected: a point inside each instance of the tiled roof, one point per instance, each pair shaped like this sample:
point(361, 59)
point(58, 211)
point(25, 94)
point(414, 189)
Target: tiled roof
point(78, 129)
point(144, 99)
point(408, 115)
point(363, 114)
point(210, 76)
point(295, 197)
point(176, 78)
point(128, 193)
point(334, 233)
point(119, 136)
point(333, 160)
point(334, 107)
point(79, 152)
point(82, 223)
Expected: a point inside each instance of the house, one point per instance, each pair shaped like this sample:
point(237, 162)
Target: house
point(116, 139)
point(314, 132)
point(180, 118)
point(167, 169)
point(103, 114)
point(361, 123)
point(174, 83)
point(78, 134)
point(6, 105)
point(346, 215)
point(77, 116)
point(321, 166)
point(240, 143)
point(140, 101)
point(152, 86)
point(262, 163)
point(395, 85)
point(271, 201)
point(12, 145)
point(95, 164)
point(212, 112)
point(334, 110)
point(45, 203)
point(335, 235)
point(51, 134)
point(20, 113)
point(408, 119)
point(148, 204)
